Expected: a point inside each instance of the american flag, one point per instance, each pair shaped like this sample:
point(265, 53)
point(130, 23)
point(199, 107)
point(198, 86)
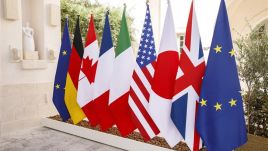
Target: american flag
point(188, 84)
point(141, 81)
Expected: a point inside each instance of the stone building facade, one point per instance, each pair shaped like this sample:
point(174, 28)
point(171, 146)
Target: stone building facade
point(25, 85)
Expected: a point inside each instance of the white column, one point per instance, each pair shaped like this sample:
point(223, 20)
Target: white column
point(155, 7)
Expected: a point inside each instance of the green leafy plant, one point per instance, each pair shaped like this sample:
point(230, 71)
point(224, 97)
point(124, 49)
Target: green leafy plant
point(84, 8)
point(253, 67)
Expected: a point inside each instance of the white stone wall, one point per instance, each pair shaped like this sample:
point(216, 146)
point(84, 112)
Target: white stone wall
point(246, 13)
point(23, 105)
point(25, 95)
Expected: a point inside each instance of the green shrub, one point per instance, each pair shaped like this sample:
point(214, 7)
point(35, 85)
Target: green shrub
point(84, 8)
point(253, 67)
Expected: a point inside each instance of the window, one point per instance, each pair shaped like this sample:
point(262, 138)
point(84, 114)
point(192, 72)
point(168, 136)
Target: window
point(180, 37)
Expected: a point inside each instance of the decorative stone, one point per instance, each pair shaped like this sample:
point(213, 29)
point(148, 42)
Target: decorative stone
point(30, 55)
point(28, 39)
point(52, 54)
point(54, 15)
point(16, 54)
point(11, 9)
point(34, 64)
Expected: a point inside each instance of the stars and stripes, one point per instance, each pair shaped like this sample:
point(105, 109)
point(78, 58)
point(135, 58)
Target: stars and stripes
point(141, 81)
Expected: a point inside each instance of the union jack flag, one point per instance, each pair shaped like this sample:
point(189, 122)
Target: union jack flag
point(141, 81)
point(188, 84)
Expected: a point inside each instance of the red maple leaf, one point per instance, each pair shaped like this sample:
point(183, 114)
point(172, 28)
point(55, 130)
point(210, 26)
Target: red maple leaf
point(89, 69)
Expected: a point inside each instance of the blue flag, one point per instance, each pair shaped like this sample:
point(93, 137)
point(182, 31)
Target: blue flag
point(220, 116)
point(61, 73)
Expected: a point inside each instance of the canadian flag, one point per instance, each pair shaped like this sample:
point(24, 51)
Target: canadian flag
point(87, 74)
point(163, 82)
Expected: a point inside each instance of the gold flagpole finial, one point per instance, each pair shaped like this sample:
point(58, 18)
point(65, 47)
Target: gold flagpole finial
point(108, 10)
point(147, 2)
point(125, 5)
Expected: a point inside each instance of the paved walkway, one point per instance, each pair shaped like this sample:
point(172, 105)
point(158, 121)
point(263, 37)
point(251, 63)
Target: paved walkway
point(45, 139)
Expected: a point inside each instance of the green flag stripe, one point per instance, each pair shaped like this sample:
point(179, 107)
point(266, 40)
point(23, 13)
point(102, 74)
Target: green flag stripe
point(123, 38)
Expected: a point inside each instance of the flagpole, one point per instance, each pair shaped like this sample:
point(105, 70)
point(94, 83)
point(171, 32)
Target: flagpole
point(108, 11)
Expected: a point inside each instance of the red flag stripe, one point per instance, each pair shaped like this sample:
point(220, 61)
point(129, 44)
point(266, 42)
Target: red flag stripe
point(141, 86)
point(101, 107)
point(153, 64)
point(74, 66)
point(91, 34)
point(147, 74)
point(121, 113)
point(144, 111)
point(196, 134)
point(190, 76)
point(150, 68)
point(188, 34)
point(140, 127)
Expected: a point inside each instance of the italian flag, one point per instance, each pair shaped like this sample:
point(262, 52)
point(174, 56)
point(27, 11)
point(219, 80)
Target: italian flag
point(120, 84)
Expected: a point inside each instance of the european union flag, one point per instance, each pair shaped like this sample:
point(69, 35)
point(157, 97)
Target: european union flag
point(220, 116)
point(61, 73)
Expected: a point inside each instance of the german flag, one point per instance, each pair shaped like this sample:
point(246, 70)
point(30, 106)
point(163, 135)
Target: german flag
point(76, 57)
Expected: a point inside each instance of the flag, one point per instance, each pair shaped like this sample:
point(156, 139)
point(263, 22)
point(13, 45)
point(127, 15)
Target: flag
point(103, 78)
point(163, 82)
point(61, 72)
point(87, 74)
point(120, 84)
point(188, 84)
point(72, 77)
point(220, 116)
point(141, 81)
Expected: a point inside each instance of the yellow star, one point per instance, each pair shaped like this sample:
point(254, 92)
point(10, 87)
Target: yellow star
point(57, 86)
point(232, 102)
point(203, 102)
point(232, 52)
point(217, 49)
point(218, 106)
point(64, 52)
